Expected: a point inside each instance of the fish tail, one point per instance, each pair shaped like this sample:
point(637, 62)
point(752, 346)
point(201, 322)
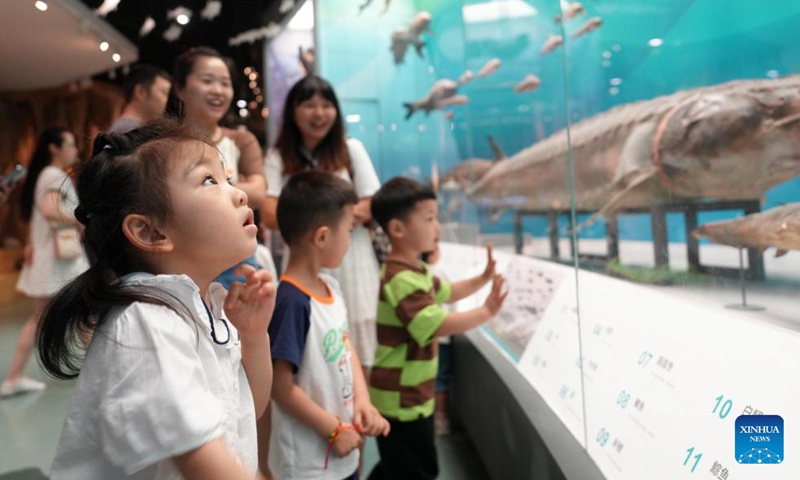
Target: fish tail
point(411, 109)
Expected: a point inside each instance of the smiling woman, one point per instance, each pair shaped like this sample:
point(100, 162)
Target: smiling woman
point(203, 85)
point(312, 137)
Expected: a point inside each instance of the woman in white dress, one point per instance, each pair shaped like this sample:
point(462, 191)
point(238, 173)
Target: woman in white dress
point(48, 202)
point(312, 136)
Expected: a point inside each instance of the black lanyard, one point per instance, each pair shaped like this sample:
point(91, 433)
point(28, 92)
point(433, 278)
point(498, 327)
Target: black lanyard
point(214, 331)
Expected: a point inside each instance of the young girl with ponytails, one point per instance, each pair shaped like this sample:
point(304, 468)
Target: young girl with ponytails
point(178, 370)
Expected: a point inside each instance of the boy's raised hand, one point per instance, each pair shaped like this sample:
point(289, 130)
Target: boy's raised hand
point(491, 264)
point(249, 305)
point(369, 421)
point(494, 302)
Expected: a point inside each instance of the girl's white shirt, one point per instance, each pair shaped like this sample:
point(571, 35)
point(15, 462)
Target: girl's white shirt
point(155, 385)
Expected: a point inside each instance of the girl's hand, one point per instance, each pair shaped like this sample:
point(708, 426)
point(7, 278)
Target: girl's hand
point(347, 441)
point(249, 305)
point(367, 418)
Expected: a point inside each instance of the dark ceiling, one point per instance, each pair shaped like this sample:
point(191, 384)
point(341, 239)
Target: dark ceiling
point(235, 17)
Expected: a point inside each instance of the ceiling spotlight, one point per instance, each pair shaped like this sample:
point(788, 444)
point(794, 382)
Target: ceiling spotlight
point(265, 112)
point(183, 19)
point(241, 103)
point(256, 90)
point(243, 112)
point(655, 42)
point(253, 76)
point(103, 46)
point(253, 105)
point(247, 70)
point(252, 84)
point(40, 5)
point(116, 57)
point(259, 98)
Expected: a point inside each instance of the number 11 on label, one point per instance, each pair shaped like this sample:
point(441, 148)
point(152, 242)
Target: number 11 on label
point(689, 452)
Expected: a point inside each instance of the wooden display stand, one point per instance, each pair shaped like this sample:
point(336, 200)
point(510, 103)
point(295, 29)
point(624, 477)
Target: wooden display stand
point(9, 259)
point(755, 270)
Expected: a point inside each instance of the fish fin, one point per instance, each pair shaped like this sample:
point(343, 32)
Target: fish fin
point(612, 204)
point(781, 252)
point(499, 154)
point(411, 109)
point(418, 47)
point(495, 214)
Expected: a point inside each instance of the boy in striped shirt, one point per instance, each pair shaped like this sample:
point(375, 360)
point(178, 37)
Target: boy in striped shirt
point(410, 318)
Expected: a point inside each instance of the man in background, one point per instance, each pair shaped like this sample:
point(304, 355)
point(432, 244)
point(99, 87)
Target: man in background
point(146, 93)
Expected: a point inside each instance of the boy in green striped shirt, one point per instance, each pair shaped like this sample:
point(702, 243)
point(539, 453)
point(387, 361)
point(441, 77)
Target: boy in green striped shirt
point(409, 319)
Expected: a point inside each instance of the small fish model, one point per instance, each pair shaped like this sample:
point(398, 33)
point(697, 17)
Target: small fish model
point(211, 10)
point(466, 77)
point(528, 84)
point(107, 7)
point(552, 42)
point(401, 39)
point(286, 5)
point(254, 34)
point(590, 25)
point(441, 92)
point(367, 3)
point(147, 26)
point(307, 60)
point(181, 10)
point(490, 67)
point(172, 33)
point(572, 11)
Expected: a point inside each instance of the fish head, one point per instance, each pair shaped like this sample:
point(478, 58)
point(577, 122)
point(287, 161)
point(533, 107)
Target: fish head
point(420, 23)
point(778, 227)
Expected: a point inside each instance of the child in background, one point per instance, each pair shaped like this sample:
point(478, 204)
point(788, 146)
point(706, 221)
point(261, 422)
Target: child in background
point(410, 318)
point(175, 375)
point(441, 420)
point(321, 405)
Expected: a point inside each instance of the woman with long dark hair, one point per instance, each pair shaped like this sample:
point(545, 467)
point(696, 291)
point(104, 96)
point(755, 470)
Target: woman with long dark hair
point(312, 136)
point(48, 203)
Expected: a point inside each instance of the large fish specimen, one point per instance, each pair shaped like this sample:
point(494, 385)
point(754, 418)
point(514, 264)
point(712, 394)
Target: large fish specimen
point(528, 84)
point(552, 42)
point(573, 10)
point(590, 25)
point(728, 141)
point(778, 227)
point(468, 172)
point(402, 39)
point(443, 93)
